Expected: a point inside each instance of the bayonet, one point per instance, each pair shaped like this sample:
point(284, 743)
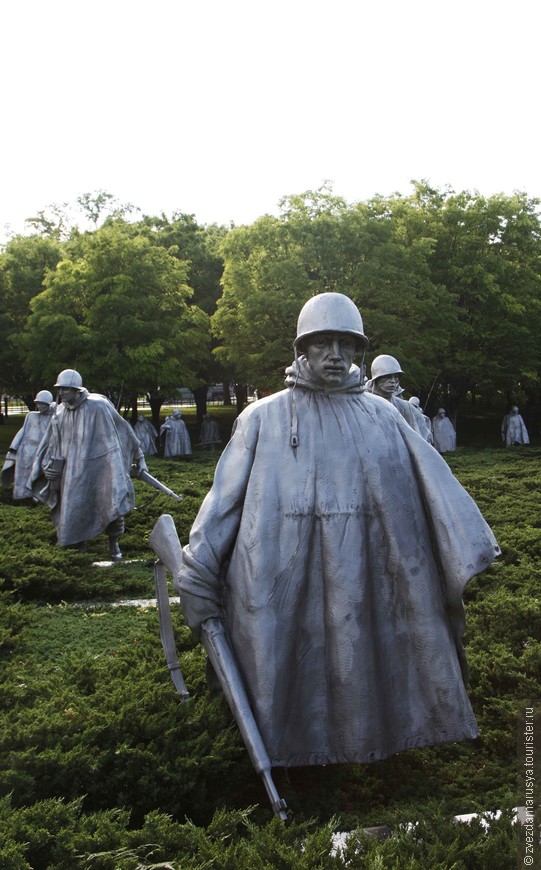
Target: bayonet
point(157, 484)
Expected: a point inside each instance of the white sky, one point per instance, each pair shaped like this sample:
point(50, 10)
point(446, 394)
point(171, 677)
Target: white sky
point(218, 108)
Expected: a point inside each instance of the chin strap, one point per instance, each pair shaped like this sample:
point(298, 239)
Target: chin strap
point(294, 439)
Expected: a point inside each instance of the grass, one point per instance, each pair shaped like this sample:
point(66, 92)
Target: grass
point(89, 716)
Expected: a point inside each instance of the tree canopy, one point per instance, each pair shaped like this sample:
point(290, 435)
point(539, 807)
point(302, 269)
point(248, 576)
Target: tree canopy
point(117, 308)
point(447, 282)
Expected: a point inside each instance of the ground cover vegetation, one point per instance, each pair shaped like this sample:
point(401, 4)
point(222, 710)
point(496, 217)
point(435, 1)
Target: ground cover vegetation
point(102, 766)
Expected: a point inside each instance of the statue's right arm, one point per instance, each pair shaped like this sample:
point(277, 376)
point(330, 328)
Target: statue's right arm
point(215, 529)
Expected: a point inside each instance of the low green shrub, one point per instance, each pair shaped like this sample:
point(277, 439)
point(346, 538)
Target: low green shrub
point(96, 747)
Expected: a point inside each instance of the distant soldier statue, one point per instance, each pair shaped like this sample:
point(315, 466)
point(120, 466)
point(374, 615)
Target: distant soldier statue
point(22, 450)
point(175, 433)
point(416, 402)
point(443, 432)
point(147, 435)
point(514, 429)
point(86, 458)
point(334, 545)
point(210, 433)
point(385, 373)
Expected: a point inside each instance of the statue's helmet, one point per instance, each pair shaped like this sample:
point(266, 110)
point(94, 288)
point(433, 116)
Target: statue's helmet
point(44, 396)
point(330, 312)
point(414, 400)
point(385, 365)
point(69, 378)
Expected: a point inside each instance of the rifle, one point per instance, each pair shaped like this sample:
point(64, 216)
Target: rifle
point(165, 543)
point(157, 484)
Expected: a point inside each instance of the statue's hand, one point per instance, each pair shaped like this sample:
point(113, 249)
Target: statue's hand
point(141, 465)
point(51, 474)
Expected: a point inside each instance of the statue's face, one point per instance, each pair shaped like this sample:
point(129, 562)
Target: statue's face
point(330, 356)
point(67, 395)
point(387, 385)
point(42, 407)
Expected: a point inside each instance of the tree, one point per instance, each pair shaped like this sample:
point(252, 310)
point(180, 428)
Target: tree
point(487, 263)
point(100, 202)
point(24, 264)
point(199, 248)
point(117, 308)
point(447, 283)
point(319, 244)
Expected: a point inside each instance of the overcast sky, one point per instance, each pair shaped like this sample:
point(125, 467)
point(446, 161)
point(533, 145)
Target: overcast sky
point(220, 108)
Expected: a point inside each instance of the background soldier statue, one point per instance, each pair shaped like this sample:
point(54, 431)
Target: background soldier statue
point(443, 432)
point(86, 458)
point(514, 429)
point(416, 402)
point(177, 439)
point(335, 545)
point(17, 467)
point(210, 433)
point(385, 373)
point(146, 434)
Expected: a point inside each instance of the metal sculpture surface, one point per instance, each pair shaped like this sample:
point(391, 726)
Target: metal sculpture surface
point(334, 546)
point(514, 429)
point(20, 457)
point(385, 374)
point(443, 432)
point(86, 459)
point(175, 433)
point(146, 434)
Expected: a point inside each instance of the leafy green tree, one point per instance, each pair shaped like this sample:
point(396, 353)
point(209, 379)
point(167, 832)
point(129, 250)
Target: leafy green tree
point(449, 284)
point(199, 248)
point(487, 262)
point(24, 264)
point(319, 244)
point(117, 309)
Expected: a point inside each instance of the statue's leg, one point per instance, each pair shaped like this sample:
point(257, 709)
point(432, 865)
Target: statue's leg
point(114, 531)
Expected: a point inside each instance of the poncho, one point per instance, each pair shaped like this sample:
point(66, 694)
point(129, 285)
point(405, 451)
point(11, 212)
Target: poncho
point(98, 447)
point(514, 430)
point(338, 566)
point(177, 438)
point(22, 452)
point(444, 434)
point(147, 435)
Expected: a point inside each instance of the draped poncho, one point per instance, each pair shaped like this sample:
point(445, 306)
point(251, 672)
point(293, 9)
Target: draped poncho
point(338, 566)
point(22, 451)
point(98, 447)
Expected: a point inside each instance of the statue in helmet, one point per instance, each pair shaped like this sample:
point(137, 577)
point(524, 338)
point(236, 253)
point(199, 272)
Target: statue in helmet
point(514, 429)
point(22, 450)
point(416, 402)
point(176, 436)
point(82, 466)
point(210, 433)
point(147, 435)
point(443, 432)
point(385, 373)
point(335, 544)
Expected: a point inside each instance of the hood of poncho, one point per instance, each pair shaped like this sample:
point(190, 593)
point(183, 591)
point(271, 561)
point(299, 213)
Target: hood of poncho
point(299, 374)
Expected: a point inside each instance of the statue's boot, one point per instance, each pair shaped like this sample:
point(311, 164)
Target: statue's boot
point(114, 531)
point(114, 549)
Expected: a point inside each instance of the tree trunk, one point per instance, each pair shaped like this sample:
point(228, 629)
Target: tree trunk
point(241, 395)
point(200, 396)
point(133, 405)
point(155, 400)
